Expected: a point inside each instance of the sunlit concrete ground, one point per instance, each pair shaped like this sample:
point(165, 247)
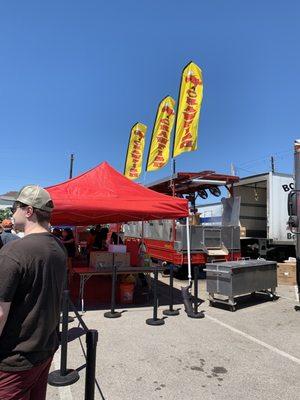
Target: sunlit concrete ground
point(253, 353)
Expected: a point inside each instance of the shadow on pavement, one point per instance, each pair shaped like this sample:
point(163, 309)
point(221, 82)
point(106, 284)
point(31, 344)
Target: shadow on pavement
point(143, 297)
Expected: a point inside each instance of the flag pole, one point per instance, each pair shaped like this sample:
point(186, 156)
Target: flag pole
point(144, 177)
point(71, 166)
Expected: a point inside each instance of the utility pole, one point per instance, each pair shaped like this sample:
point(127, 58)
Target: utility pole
point(272, 164)
point(232, 169)
point(71, 166)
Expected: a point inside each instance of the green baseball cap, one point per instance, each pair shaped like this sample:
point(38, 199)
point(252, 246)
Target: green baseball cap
point(35, 196)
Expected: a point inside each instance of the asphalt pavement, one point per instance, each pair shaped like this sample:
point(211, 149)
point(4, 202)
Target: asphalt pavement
point(253, 353)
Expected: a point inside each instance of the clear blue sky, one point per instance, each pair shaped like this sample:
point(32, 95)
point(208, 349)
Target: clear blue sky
point(76, 75)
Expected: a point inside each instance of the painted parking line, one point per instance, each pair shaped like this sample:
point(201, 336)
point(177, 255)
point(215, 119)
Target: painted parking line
point(257, 341)
point(64, 391)
point(287, 298)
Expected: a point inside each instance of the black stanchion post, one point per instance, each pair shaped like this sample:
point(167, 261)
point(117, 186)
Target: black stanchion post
point(66, 287)
point(196, 314)
point(171, 310)
point(196, 274)
point(112, 313)
point(155, 321)
point(64, 334)
point(90, 374)
point(64, 376)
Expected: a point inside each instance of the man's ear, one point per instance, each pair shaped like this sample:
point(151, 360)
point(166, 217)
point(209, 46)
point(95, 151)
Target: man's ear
point(29, 211)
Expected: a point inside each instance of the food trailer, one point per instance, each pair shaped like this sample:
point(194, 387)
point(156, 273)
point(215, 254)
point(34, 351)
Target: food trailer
point(166, 240)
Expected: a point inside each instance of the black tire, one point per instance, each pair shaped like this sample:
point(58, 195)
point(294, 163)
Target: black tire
point(181, 273)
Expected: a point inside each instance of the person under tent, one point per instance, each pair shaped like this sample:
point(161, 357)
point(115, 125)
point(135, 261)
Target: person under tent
point(116, 238)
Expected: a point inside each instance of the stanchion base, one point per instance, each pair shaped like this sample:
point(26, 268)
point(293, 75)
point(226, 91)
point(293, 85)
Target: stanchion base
point(155, 322)
point(56, 379)
point(70, 319)
point(171, 312)
point(196, 315)
point(297, 308)
point(114, 314)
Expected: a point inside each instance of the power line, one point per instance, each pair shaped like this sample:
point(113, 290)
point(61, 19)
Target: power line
point(260, 161)
point(266, 158)
point(246, 170)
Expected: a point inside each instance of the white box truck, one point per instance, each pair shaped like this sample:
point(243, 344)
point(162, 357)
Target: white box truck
point(264, 215)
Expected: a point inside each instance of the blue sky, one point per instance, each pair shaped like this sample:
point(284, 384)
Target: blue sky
point(76, 75)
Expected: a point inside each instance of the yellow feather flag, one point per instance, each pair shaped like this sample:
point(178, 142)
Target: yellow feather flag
point(159, 150)
point(190, 99)
point(135, 151)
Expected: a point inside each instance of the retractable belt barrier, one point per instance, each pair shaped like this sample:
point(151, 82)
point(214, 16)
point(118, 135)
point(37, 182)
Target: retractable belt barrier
point(65, 376)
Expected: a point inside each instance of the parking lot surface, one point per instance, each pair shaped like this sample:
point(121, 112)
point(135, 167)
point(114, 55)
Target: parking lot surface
point(253, 353)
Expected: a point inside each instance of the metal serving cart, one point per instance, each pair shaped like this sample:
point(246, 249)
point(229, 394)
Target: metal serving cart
point(235, 278)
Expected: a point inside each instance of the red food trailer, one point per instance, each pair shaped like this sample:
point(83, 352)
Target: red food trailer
point(166, 240)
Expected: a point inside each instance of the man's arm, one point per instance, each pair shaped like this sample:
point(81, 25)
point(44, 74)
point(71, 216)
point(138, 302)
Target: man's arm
point(9, 280)
point(4, 310)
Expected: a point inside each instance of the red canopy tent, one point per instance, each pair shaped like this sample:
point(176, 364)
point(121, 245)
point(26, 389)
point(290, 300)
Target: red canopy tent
point(103, 195)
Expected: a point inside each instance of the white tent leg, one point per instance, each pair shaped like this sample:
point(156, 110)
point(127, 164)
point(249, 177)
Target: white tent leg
point(188, 249)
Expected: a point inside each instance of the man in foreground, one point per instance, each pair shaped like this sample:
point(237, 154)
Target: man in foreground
point(32, 273)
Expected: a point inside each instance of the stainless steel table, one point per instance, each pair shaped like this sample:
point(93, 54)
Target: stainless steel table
point(234, 278)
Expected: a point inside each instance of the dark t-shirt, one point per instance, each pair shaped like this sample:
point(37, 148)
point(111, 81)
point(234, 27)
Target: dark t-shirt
point(32, 274)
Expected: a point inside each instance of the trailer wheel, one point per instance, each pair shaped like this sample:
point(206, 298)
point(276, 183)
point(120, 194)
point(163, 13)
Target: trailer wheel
point(181, 272)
